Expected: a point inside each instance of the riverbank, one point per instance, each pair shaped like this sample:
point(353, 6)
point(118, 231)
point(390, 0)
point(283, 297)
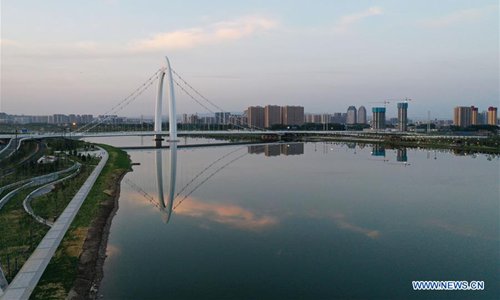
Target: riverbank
point(489, 145)
point(76, 269)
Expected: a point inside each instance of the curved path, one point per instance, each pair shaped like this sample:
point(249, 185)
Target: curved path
point(33, 181)
point(27, 278)
point(33, 194)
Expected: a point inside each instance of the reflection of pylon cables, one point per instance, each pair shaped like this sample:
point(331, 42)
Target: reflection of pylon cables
point(206, 179)
point(142, 192)
point(205, 169)
point(123, 103)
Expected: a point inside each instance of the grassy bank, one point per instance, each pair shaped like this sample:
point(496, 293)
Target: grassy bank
point(51, 205)
point(19, 234)
point(61, 273)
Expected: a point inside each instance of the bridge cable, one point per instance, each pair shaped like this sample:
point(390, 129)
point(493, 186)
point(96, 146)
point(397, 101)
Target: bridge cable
point(142, 192)
point(205, 169)
point(206, 100)
point(121, 104)
point(206, 179)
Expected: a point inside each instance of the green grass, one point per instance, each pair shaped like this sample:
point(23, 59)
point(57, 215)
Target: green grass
point(61, 273)
point(33, 170)
point(27, 149)
point(19, 234)
point(51, 205)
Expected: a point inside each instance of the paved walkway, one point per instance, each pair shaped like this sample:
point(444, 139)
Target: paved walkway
point(27, 278)
point(32, 182)
point(47, 188)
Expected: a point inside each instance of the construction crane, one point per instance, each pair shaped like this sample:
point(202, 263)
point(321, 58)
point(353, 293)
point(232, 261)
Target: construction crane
point(385, 102)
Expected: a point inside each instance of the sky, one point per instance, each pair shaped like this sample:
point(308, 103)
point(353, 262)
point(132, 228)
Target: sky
point(86, 56)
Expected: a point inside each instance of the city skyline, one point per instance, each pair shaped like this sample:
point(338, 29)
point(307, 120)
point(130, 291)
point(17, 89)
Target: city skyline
point(325, 57)
point(189, 149)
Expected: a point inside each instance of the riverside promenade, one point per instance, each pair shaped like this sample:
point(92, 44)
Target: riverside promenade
point(27, 278)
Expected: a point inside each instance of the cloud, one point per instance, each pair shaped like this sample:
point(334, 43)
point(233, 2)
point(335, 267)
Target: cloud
point(86, 45)
point(460, 16)
point(7, 42)
point(228, 214)
point(343, 223)
point(212, 34)
point(348, 21)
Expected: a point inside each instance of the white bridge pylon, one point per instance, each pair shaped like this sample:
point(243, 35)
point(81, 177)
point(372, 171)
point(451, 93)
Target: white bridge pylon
point(166, 70)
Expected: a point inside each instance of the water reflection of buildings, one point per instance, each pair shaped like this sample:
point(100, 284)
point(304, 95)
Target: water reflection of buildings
point(402, 155)
point(378, 150)
point(277, 149)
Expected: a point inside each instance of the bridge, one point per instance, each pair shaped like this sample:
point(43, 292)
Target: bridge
point(167, 75)
point(172, 200)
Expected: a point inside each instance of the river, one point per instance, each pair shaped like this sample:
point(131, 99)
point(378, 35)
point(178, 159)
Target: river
point(303, 221)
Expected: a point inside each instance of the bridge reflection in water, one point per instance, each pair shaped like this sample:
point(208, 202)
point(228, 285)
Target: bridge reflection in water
point(168, 202)
point(166, 208)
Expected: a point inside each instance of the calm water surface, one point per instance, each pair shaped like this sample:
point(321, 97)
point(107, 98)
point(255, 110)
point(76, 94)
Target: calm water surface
point(303, 221)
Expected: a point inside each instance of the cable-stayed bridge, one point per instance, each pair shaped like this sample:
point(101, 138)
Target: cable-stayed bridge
point(175, 82)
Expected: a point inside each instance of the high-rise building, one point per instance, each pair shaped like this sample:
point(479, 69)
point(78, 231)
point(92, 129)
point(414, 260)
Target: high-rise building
point(87, 119)
point(462, 116)
point(361, 115)
point(351, 115)
point(343, 118)
point(207, 120)
point(309, 118)
point(193, 119)
point(378, 119)
point(326, 119)
point(292, 115)
point(482, 118)
point(337, 118)
point(272, 115)
point(492, 115)
point(314, 118)
point(222, 118)
point(255, 115)
point(60, 119)
point(474, 115)
point(402, 116)
point(236, 120)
